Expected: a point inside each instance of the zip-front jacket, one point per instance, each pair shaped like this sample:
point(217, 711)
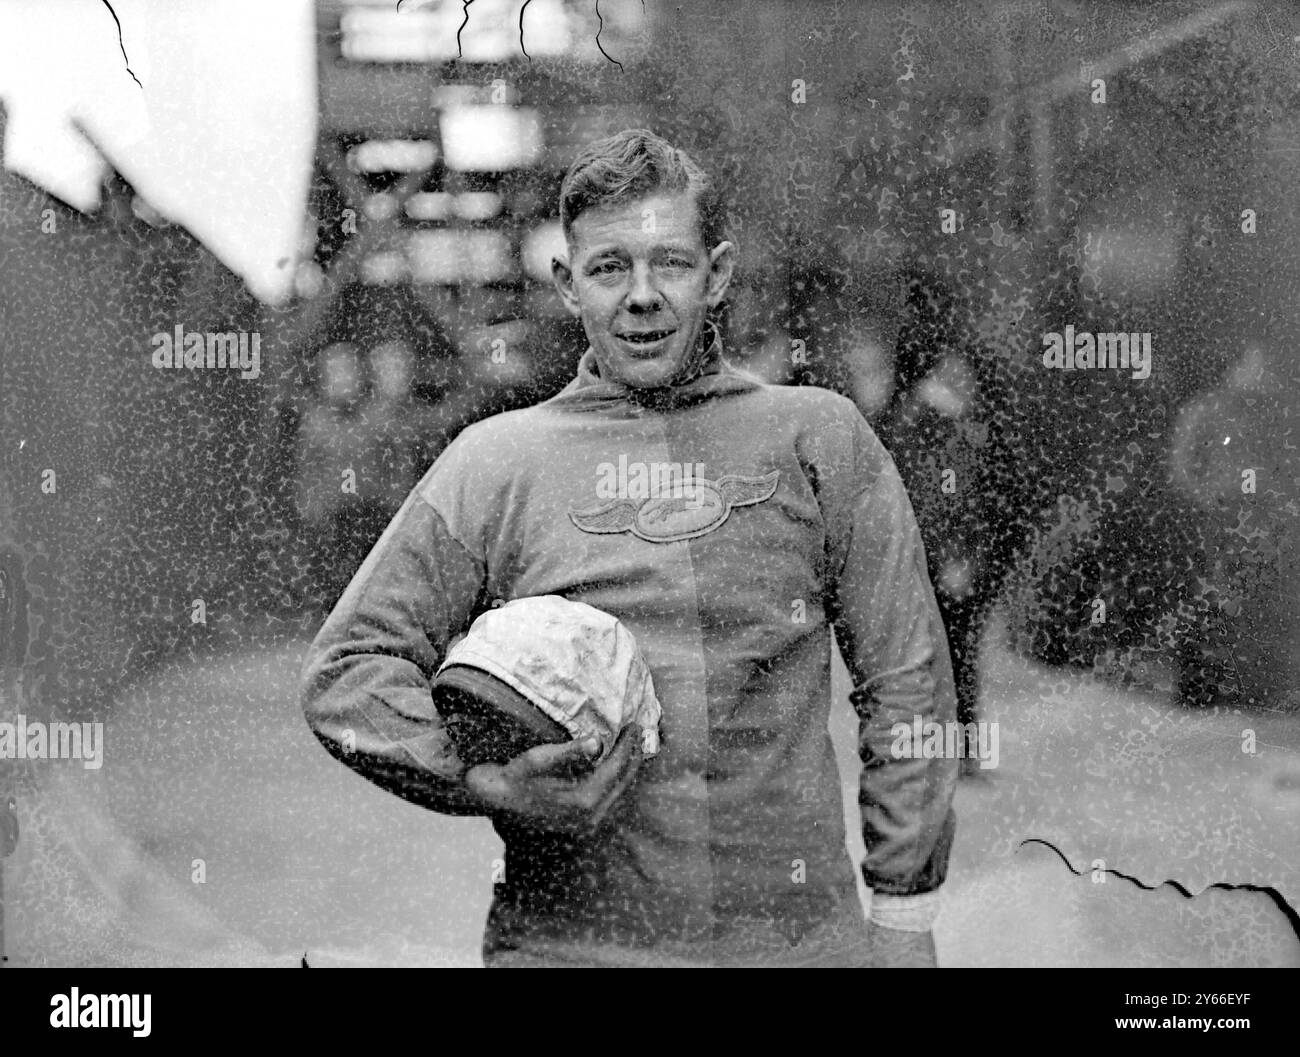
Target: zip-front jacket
point(730, 525)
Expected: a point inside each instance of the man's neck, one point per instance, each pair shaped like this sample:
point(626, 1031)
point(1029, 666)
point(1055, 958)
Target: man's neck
point(705, 358)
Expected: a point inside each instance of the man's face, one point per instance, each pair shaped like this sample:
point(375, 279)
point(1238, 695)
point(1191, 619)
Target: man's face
point(641, 279)
point(391, 362)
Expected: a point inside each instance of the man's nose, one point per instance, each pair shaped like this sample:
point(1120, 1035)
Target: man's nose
point(643, 296)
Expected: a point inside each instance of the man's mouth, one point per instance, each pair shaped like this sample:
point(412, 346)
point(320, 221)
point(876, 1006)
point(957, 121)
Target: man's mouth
point(644, 339)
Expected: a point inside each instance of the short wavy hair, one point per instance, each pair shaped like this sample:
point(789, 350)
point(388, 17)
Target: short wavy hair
point(633, 164)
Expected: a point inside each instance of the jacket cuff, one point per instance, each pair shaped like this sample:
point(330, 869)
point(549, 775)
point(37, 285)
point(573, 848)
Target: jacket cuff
point(916, 913)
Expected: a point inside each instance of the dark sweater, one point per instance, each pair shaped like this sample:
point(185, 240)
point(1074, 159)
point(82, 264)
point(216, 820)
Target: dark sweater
point(731, 576)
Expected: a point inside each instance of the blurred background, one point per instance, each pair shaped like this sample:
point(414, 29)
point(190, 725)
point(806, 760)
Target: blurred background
point(919, 192)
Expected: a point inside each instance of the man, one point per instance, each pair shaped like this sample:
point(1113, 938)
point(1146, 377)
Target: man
point(728, 846)
point(945, 418)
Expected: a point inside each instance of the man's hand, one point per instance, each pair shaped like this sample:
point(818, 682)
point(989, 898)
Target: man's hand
point(896, 949)
point(555, 787)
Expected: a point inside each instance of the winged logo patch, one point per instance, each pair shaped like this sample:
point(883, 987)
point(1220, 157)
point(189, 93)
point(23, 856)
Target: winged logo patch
point(693, 508)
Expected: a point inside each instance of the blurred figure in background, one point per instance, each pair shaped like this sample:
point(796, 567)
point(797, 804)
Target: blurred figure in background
point(395, 428)
point(867, 363)
point(938, 408)
point(1233, 609)
point(1119, 561)
point(903, 348)
point(330, 438)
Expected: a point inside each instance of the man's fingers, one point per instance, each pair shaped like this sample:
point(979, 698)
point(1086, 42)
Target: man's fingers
point(485, 782)
point(558, 784)
point(614, 794)
point(557, 759)
point(618, 770)
point(625, 754)
point(627, 750)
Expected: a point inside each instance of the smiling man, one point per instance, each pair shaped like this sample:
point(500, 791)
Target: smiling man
point(642, 274)
point(761, 518)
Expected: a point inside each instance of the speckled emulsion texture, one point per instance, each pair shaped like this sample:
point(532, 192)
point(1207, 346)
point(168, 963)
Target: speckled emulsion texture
point(1045, 250)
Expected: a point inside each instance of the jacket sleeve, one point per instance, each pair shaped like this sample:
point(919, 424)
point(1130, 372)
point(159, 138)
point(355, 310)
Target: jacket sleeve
point(366, 678)
point(892, 639)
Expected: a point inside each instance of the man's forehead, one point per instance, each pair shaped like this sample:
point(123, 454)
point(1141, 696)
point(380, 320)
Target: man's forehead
point(653, 219)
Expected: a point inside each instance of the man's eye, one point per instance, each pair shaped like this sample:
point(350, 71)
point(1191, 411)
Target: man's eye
point(678, 262)
point(606, 268)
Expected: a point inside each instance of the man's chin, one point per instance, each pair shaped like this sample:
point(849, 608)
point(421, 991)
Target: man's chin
point(645, 372)
point(651, 375)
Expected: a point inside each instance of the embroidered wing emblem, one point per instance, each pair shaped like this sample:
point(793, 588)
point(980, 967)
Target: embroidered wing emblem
point(619, 515)
point(744, 491)
point(695, 508)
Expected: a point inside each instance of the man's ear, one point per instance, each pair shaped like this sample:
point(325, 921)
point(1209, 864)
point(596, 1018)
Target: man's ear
point(562, 277)
point(722, 262)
